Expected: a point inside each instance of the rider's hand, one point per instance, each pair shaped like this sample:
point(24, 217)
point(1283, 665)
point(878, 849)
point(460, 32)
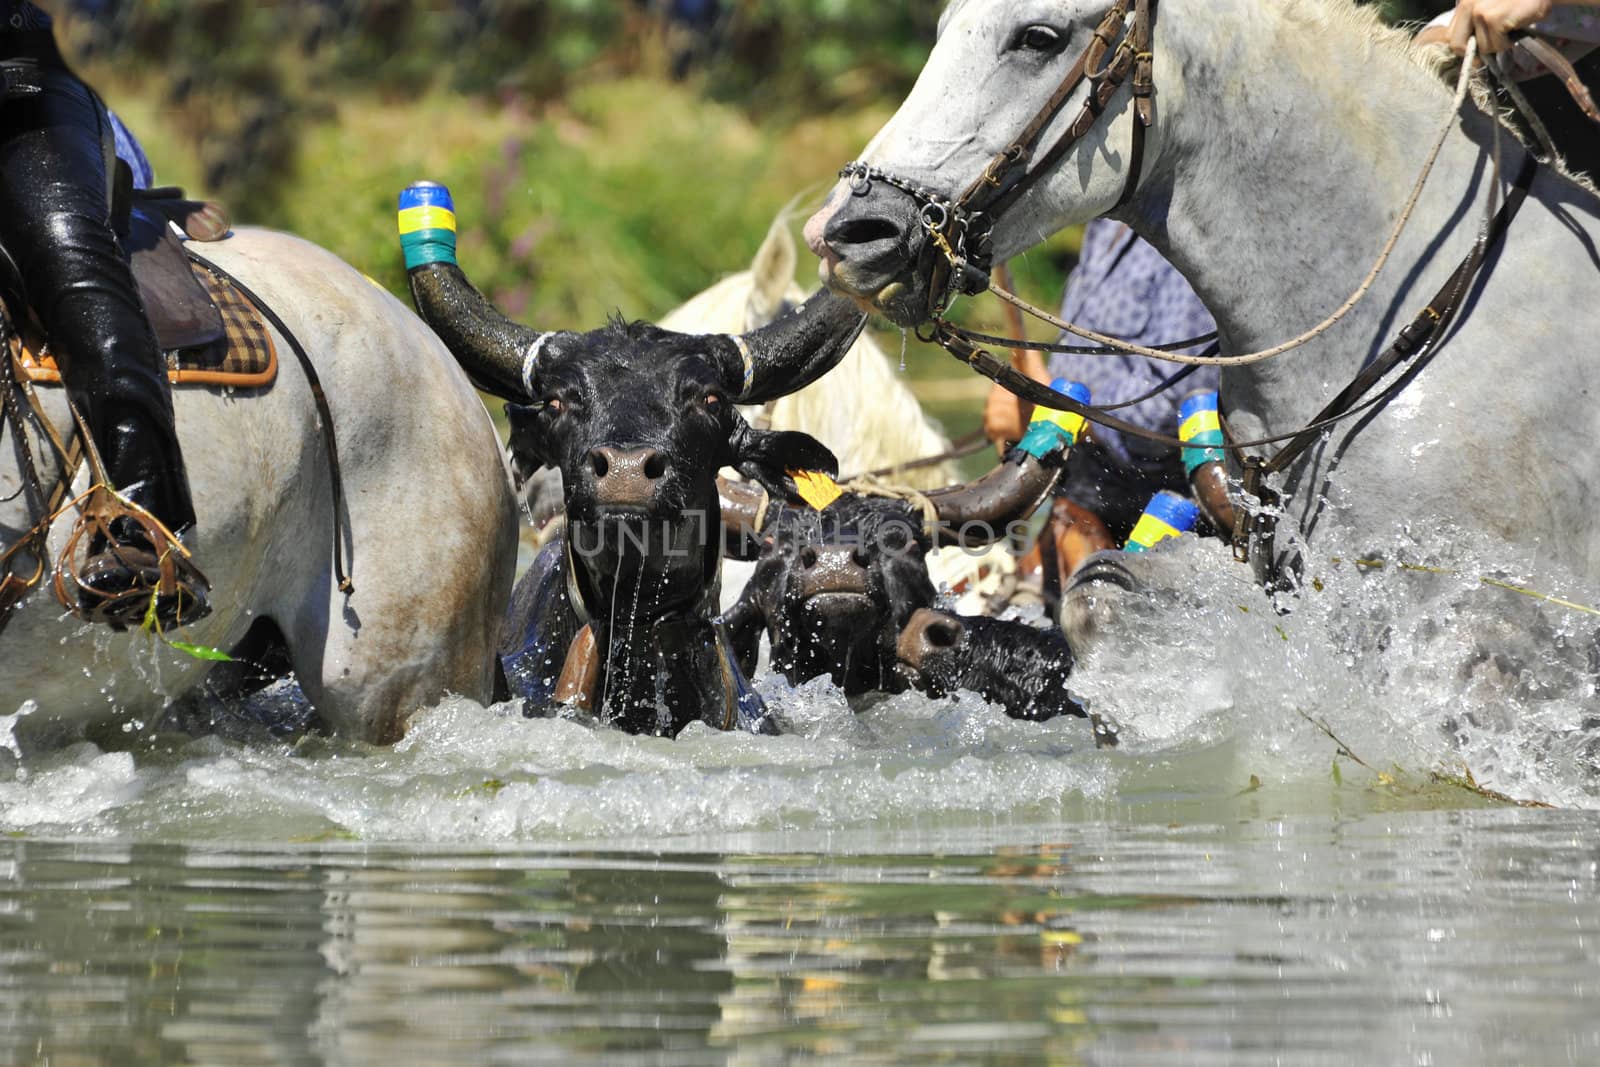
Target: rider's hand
point(1005, 416)
point(1492, 21)
point(1003, 421)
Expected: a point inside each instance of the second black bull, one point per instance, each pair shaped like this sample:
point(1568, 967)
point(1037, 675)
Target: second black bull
point(843, 591)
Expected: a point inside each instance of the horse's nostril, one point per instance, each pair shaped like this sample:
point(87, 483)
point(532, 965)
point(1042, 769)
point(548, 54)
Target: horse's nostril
point(598, 461)
point(655, 465)
point(808, 557)
point(862, 231)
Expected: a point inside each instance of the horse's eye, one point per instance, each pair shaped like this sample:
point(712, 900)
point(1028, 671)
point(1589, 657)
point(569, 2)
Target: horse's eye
point(1038, 38)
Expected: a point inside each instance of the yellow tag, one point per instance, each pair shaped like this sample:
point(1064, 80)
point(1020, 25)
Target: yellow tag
point(816, 488)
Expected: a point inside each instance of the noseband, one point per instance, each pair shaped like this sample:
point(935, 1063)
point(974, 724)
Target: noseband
point(960, 230)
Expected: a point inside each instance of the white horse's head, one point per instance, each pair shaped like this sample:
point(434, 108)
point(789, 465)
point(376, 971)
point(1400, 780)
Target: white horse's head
point(995, 67)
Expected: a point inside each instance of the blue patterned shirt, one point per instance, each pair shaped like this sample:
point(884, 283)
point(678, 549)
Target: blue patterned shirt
point(1123, 288)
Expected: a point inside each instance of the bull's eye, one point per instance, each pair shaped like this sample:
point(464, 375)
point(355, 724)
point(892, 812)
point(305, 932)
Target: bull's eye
point(713, 403)
point(1038, 38)
point(552, 406)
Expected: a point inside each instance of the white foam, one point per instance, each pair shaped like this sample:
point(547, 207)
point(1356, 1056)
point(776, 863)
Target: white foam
point(1411, 669)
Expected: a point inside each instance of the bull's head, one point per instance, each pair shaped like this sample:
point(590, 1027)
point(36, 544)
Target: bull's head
point(833, 588)
point(638, 420)
point(1021, 668)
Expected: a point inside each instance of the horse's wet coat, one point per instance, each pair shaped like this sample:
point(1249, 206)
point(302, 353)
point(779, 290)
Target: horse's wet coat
point(431, 544)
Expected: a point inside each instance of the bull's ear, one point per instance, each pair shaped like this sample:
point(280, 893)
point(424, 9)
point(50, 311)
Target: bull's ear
point(529, 447)
point(767, 456)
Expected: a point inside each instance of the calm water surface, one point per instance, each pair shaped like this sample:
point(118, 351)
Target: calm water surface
point(1461, 936)
point(1163, 927)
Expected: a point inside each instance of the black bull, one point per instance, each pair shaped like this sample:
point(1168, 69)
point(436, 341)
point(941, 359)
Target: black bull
point(844, 592)
point(618, 613)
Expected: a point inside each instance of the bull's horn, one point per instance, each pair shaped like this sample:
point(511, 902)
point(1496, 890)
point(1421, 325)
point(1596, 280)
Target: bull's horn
point(795, 349)
point(979, 512)
point(497, 353)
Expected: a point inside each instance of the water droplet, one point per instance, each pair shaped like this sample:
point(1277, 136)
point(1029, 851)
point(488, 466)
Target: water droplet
point(902, 351)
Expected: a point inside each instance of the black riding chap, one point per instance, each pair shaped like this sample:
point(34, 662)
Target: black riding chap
point(55, 222)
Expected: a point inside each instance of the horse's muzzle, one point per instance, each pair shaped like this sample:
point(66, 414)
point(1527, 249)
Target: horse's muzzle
point(874, 245)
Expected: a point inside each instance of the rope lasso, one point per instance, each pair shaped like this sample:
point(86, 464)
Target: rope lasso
point(868, 485)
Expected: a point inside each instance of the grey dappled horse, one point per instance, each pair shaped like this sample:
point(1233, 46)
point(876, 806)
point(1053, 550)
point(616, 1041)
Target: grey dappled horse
point(1286, 137)
point(429, 522)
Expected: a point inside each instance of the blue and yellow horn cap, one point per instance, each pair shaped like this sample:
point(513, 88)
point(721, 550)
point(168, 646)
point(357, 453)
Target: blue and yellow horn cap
point(1051, 429)
point(427, 222)
point(1200, 429)
point(1167, 515)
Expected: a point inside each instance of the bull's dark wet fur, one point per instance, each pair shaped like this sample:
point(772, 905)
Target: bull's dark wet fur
point(850, 637)
point(638, 420)
point(834, 589)
point(1021, 668)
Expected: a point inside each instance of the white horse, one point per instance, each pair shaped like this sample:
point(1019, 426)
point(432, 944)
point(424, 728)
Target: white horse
point(1285, 139)
point(429, 523)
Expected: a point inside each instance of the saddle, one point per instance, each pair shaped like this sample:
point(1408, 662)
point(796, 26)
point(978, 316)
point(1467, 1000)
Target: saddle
point(210, 332)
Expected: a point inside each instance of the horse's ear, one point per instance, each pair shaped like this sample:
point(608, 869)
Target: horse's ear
point(771, 276)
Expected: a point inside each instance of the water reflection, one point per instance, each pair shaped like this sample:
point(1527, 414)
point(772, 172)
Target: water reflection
point(1409, 936)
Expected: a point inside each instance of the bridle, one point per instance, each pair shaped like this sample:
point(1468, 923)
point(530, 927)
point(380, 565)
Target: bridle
point(960, 230)
point(960, 233)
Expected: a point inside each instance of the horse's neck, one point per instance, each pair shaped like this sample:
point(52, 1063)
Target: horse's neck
point(1285, 158)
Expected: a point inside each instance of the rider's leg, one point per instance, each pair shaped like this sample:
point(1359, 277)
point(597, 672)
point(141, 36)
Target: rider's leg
point(56, 226)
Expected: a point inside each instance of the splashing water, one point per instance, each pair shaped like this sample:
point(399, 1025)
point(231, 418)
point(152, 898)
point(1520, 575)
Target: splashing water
point(1416, 672)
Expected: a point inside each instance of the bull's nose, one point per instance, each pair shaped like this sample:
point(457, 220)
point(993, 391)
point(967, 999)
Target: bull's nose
point(927, 633)
point(627, 476)
point(833, 569)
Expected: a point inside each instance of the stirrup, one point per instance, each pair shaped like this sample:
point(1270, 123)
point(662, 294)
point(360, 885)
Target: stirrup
point(133, 567)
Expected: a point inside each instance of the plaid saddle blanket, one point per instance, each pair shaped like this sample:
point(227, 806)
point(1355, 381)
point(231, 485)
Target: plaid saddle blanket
point(245, 358)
